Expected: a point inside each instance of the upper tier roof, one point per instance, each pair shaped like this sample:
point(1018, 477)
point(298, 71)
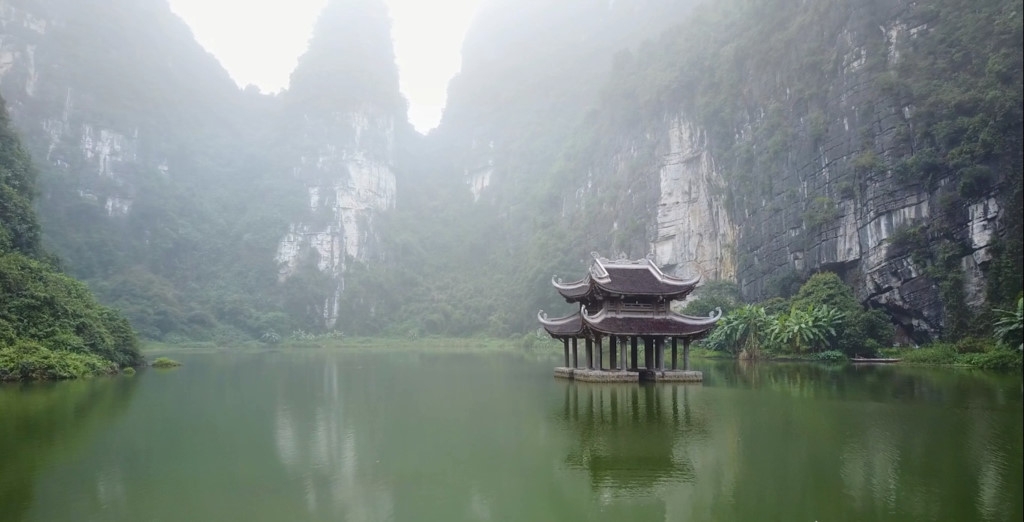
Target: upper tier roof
point(623, 278)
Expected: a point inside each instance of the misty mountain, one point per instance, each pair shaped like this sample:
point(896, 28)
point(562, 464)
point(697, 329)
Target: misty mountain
point(755, 142)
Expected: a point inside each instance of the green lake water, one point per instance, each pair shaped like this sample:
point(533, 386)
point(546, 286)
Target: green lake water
point(420, 436)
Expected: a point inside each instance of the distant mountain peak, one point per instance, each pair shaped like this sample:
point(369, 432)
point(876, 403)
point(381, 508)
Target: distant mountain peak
point(350, 61)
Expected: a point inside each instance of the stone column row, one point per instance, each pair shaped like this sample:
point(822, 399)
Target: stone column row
point(654, 353)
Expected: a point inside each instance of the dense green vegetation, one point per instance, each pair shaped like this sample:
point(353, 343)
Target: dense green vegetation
point(51, 327)
point(823, 317)
point(824, 322)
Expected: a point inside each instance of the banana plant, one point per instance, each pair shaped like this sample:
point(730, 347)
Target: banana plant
point(1009, 326)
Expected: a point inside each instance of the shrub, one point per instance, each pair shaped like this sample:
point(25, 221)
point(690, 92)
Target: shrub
point(29, 360)
point(858, 326)
point(820, 212)
point(129, 371)
point(830, 356)
point(973, 345)
point(998, 360)
point(164, 362)
point(939, 353)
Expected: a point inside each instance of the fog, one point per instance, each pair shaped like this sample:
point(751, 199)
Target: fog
point(259, 43)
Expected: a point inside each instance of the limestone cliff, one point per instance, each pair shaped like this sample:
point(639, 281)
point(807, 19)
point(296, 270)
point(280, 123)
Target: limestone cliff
point(831, 131)
point(693, 226)
point(344, 114)
point(176, 193)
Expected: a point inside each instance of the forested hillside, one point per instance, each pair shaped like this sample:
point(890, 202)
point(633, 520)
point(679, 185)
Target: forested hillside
point(51, 327)
point(757, 142)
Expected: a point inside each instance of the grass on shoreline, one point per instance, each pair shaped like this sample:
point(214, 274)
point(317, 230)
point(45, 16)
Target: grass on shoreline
point(946, 354)
point(975, 354)
point(453, 344)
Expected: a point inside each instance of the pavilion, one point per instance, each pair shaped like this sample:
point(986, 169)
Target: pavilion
point(626, 301)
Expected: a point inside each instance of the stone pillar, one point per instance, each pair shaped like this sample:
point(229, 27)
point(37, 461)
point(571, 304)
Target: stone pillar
point(633, 361)
point(623, 361)
point(686, 353)
point(675, 359)
point(565, 349)
point(613, 352)
point(659, 346)
point(600, 353)
point(648, 353)
point(590, 353)
point(575, 354)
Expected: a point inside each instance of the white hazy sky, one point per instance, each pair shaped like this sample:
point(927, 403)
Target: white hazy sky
point(259, 41)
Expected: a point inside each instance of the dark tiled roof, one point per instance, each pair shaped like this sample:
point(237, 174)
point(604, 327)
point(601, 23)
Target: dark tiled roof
point(642, 280)
point(672, 325)
point(581, 293)
point(611, 323)
point(569, 326)
point(649, 323)
point(624, 279)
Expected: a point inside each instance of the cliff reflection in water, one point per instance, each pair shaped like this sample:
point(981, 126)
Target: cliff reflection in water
point(774, 441)
point(317, 445)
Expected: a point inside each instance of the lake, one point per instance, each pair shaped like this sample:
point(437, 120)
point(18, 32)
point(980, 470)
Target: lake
point(411, 435)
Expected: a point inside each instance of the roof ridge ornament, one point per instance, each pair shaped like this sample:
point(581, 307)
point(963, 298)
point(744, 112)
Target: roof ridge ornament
point(597, 270)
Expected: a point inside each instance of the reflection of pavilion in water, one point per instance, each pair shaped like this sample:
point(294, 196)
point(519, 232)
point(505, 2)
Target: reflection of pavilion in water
point(635, 437)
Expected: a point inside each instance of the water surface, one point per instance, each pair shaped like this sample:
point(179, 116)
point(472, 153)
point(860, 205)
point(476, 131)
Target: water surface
point(421, 436)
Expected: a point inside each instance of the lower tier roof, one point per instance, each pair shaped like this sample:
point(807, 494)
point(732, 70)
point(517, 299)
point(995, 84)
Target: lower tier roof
point(670, 324)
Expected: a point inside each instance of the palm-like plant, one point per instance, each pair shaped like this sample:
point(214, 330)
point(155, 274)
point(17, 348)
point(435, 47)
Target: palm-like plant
point(742, 330)
point(808, 328)
point(1009, 326)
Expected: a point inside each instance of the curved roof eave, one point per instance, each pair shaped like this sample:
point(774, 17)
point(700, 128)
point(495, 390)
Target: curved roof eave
point(671, 279)
point(557, 283)
point(568, 326)
point(712, 318)
point(558, 321)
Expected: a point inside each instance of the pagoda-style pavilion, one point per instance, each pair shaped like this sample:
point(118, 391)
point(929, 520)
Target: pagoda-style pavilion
point(625, 302)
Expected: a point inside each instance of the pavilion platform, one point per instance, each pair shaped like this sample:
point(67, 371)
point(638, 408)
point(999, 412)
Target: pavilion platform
point(675, 375)
point(564, 372)
point(587, 375)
